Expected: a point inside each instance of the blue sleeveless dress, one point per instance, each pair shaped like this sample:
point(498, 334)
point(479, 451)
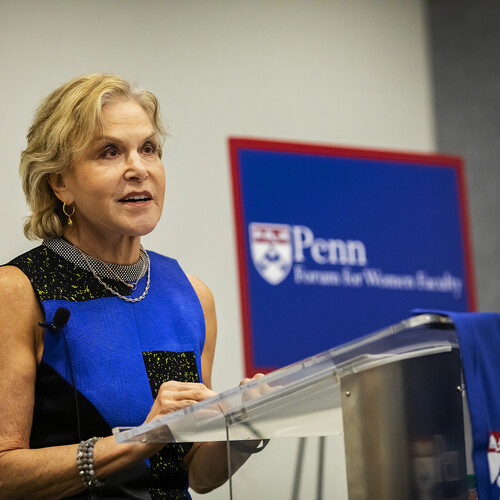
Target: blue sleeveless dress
point(105, 367)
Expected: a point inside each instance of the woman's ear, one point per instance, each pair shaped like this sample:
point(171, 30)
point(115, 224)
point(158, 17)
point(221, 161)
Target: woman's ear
point(60, 189)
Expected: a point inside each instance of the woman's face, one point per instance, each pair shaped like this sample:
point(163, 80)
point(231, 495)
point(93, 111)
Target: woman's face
point(118, 186)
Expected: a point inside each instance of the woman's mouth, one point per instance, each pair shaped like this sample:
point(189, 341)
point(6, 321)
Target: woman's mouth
point(136, 198)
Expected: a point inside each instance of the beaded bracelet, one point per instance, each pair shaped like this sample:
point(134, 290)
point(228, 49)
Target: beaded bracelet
point(85, 463)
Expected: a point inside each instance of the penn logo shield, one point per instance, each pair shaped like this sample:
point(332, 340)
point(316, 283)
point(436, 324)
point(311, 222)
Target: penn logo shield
point(271, 249)
point(494, 458)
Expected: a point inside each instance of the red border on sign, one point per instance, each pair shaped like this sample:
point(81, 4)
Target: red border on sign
point(236, 143)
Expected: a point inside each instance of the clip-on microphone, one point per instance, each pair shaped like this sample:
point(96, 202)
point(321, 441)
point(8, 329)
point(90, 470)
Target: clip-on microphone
point(59, 321)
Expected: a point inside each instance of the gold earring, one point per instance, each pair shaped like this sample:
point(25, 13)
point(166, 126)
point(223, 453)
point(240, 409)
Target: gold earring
point(70, 222)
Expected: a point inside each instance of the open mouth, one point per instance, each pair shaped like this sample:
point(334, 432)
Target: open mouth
point(135, 199)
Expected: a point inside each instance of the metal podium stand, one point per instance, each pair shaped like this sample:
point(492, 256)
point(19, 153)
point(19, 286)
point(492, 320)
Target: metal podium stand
point(395, 395)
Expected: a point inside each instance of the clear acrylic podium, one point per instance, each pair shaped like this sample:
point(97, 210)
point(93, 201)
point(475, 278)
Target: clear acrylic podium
point(395, 396)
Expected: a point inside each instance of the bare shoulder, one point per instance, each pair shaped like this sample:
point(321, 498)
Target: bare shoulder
point(18, 301)
point(207, 304)
point(205, 296)
point(13, 283)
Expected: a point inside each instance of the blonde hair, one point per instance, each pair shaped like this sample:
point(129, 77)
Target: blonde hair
point(65, 124)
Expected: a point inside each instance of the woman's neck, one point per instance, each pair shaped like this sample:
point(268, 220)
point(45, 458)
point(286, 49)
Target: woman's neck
point(123, 250)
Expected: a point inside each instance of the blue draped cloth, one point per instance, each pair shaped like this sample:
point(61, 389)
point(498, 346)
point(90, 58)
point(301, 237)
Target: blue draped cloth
point(479, 339)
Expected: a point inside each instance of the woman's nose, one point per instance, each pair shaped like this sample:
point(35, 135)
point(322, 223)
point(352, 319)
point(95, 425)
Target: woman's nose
point(136, 169)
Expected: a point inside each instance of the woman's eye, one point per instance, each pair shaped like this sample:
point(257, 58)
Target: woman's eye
point(109, 152)
point(149, 148)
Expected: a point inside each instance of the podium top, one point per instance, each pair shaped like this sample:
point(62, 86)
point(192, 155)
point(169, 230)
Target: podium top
point(302, 399)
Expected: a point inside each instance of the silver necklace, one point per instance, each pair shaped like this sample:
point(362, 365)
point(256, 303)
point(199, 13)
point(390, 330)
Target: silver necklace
point(112, 290)
point(143, 257)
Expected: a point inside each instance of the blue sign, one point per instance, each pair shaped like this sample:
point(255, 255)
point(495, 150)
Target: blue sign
point(335, 243)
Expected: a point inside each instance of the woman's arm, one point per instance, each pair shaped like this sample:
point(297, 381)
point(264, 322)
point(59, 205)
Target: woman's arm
point(207, 304)
point(20, 337)
point(207, 462)
point(52, 472)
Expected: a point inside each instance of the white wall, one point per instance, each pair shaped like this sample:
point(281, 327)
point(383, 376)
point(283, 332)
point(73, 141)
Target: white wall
point(325, 71)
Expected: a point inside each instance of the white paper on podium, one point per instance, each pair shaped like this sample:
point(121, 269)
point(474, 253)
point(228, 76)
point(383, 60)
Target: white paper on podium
point(302, 399)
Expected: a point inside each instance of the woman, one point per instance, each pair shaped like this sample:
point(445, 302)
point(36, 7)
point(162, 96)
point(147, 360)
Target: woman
point(140, 338)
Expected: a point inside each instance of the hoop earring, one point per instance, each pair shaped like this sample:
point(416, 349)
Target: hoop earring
point(70, 222)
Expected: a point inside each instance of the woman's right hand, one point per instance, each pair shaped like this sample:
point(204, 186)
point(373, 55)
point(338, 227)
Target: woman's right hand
point(174, 396)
